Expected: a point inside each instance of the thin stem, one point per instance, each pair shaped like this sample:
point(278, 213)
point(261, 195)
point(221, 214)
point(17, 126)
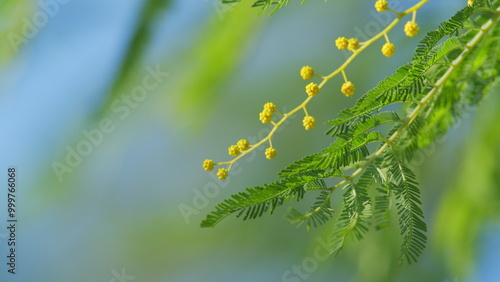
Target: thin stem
point(394, 11)
point(345, 76)
point(386, 38)
point(326, 78)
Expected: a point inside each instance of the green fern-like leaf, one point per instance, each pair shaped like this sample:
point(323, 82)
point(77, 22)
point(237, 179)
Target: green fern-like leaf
point(453, 69)
point(404, 184)
point(255, 201)
point(355, 217)
point(320, 212)
point(382, 207)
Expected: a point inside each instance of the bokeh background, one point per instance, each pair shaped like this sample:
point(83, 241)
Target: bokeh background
point(129, 208)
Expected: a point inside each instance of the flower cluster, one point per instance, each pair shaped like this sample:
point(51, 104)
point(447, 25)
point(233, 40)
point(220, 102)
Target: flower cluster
point(348, 88)
point(222, 173)
point(266, 115)
point(411, 28)
point(381, 5)
point(309, 122)
point(312, 89)
point(243, 147)
point(233, 150)
point(270, 153)
point(208, 165)
point(388, 49)
point(353, 44)
point(342, 43)
point(306, 72)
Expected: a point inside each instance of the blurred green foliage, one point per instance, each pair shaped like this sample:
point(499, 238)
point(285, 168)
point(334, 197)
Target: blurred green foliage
point(15, 15)
point(210, 63)
point(472, 202)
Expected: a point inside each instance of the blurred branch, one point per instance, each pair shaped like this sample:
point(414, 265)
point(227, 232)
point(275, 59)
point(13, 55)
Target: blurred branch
point(266, 4)
point(209, 64)
point(137, 46)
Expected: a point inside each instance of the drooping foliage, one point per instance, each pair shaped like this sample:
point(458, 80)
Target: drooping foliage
point(453, 69)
